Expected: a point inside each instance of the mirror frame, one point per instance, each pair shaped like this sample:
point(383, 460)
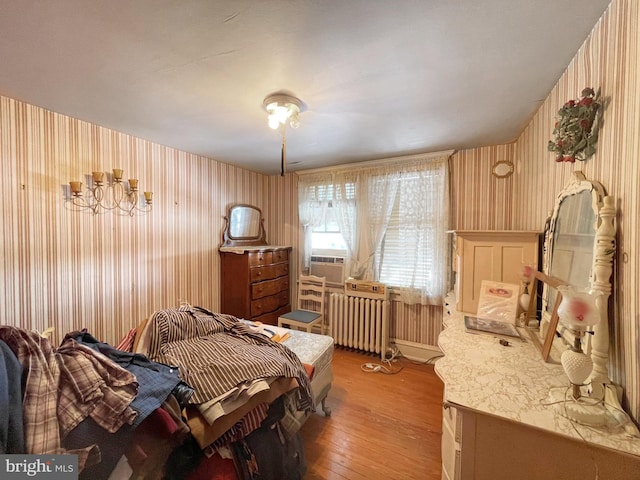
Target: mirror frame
point(576, 185)
point(587, 198)
point(228, 240)
point(601, 269)
point(502, 169)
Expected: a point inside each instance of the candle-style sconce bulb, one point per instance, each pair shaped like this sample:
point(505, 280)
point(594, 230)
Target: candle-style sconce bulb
point(117, 174)
point(133, 184)
point(98, 177)
point(148, 197)
point(76, 188)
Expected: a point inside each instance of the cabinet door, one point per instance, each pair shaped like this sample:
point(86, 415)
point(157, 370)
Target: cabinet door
point(495, 256)
point(450, 445)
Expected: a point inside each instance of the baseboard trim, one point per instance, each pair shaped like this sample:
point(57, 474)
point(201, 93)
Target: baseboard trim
point(418, 352)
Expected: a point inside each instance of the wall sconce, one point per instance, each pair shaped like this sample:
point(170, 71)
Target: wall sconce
point(283, 109)
point(113, 196)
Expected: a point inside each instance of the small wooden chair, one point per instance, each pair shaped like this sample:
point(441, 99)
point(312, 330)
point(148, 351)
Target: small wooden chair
point(311, 300)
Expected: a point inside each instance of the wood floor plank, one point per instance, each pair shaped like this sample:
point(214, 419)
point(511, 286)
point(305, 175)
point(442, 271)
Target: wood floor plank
point(381, 426)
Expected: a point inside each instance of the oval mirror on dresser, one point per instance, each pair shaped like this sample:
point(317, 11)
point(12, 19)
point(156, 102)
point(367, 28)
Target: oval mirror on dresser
point(244, 226)
point(255, 278)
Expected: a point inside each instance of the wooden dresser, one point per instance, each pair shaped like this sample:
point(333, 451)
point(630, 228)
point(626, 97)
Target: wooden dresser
point(255, 282)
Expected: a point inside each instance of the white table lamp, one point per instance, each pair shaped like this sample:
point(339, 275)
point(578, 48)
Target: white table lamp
point(578, 312)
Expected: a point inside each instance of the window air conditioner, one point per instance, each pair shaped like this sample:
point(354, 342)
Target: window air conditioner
point(332, 268)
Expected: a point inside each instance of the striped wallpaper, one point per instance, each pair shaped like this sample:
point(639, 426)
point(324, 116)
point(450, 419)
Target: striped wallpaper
point(481, 201)
point(609, 60)
point(106, 273)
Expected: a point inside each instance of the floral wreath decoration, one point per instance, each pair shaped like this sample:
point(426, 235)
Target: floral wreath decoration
point(575, 132)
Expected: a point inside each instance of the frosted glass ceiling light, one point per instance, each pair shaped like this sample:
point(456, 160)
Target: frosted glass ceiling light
point(283, 109)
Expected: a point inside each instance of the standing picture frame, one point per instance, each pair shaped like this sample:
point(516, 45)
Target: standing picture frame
point(545, 342)
point(498, 301)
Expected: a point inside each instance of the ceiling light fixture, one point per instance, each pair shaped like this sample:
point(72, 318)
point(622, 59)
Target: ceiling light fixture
point(283, 109)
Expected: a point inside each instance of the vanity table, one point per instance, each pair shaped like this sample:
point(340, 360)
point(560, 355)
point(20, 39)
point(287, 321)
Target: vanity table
point(255, 276)
point(497, 425)
point(499, 419)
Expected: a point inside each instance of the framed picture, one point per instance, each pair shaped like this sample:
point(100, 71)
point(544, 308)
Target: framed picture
point(549, 335)
point(498, 301)
point(494, 327)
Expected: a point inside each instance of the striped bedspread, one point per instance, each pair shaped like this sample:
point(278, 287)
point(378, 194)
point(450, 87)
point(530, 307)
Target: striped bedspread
point(216, 353)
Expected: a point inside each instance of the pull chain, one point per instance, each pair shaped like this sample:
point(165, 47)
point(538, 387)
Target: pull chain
point(283, 154)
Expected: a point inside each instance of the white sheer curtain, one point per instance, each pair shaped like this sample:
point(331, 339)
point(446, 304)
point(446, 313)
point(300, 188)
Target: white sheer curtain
point(394, 219)
point(347, 215)
point(314, 196)
point(422, 211)
point(377, 201)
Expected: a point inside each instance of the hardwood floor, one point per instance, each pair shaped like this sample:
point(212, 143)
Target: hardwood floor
point(381, 426)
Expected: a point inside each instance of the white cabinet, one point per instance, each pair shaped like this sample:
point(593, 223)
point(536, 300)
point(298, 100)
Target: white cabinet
point(498, 424)
point(496, 255)
point(490, 448)
point(451, 448)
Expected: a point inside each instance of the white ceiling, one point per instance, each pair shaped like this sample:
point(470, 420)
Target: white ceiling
point(378, 78)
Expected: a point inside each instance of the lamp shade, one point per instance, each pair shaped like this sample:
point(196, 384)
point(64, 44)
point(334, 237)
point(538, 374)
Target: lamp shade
point(282, 109)
point(578, 310)
point(526, 273)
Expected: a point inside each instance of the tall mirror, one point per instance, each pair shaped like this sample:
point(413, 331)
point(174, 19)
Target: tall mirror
point(244, 227)
point(579, 250)
point(572, 240)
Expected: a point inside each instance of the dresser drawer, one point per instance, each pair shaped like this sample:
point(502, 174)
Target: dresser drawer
point(269, 287)
point(257, 259)
point(268, 272)
point(280, 256)
point(271, 318)
point(269, 304)
point(256, 283)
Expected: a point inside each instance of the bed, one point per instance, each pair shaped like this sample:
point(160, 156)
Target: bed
point(315, 350)
point(299, 391)
point(257, 393)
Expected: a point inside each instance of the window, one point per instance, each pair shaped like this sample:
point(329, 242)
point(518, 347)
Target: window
point(326, 238)
point(390, 219)
point(404, 256)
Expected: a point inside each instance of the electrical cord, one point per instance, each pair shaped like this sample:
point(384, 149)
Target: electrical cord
point(379, 368)
point(429, 361)
point(393, 356)
point(384, 367)
point(396, 354)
